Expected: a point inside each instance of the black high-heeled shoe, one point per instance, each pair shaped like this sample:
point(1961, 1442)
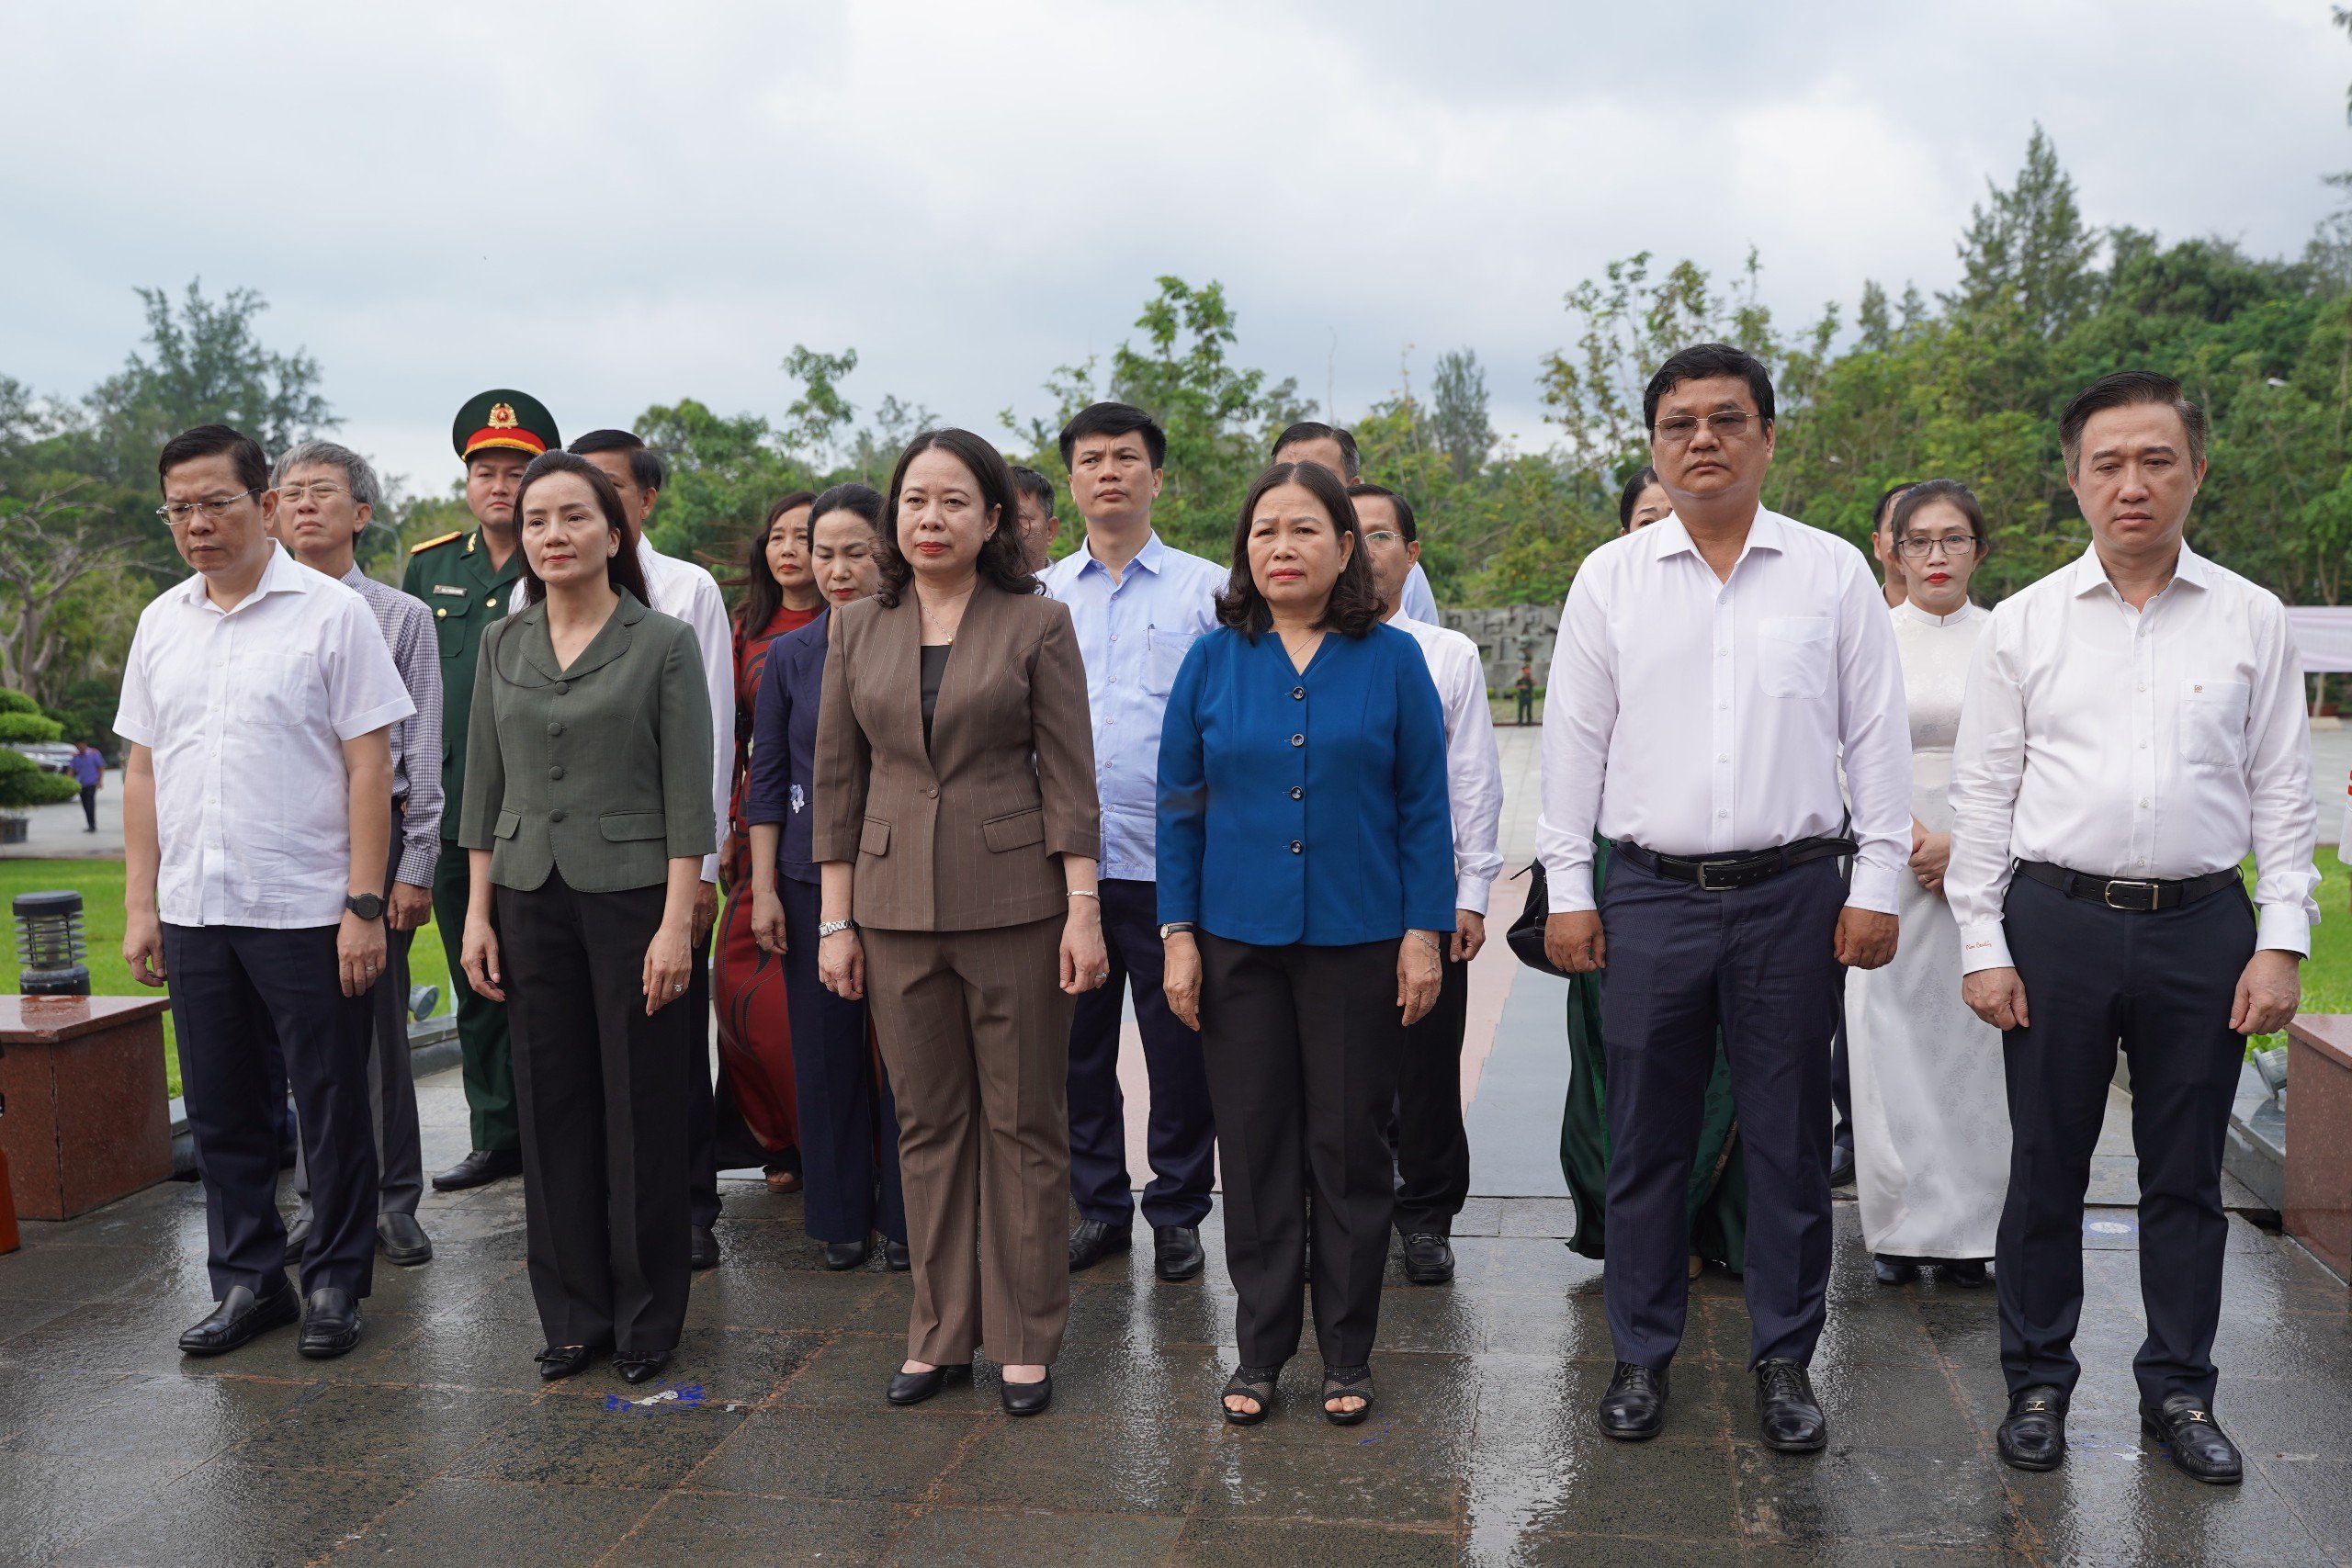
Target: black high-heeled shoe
point(841, 1254)
point(895, 1254)
point(637, 1366)
point(913, 1388)
point(1028, 1398)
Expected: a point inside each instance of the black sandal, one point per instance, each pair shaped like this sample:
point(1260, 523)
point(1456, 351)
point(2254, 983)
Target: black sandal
point(1347, 1383)
point(1249, 1382)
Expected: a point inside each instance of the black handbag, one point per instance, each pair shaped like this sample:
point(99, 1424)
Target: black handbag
point(1526, 933)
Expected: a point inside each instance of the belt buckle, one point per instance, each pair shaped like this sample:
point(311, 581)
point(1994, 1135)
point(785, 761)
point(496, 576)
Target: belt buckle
point(1706, 886)
point(2107, 897)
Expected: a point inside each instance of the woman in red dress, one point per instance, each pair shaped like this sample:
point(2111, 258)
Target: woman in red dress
point(754, 1031)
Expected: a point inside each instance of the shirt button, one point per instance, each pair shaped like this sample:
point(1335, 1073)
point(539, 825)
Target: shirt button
point(2144, 805)
point(1297, 847)
point(1723, 756)
point(1298, 694)
point(1723, 813)
point(1297, 793)
point(555, 729)
point(1298, 740)
point(557, 815)
point(1115, 637)
point(555, 771)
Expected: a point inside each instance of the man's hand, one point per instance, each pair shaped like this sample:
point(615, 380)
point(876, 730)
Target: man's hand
point(1865, 938)
point(1575, 943)
point(142, 948)
point(359, 953)
point(2268, 992)
point(1996, 996)
point(1469, 934)
point(408, 907)
point(706, 912)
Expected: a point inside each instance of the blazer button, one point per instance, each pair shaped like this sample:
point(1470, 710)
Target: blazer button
point(557, 815)
point(1297, 847)
point(555, 729)
point(933, 791)
point(491, 602)
point(1297, 793)
point(441, 614)
point(1298, 740)
point(563, 687)
point(555, 771)
point(1298, 694)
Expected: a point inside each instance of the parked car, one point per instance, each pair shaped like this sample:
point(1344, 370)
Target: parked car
point(50, 755)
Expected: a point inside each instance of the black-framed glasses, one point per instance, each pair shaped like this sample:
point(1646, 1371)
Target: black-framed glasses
point(1920, 547)
point(1729, 424)
point(178, 513)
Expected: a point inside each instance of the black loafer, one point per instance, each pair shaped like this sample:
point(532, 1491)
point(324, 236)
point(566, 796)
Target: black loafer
point(1176, 1252)
point(841, 1254)
point(403, 1241)
point(564, 1360)
point(479, 1168)
point(1028, 1398)
point(702, 1249)
point(1893, 1270)
point(240, 1316)
point(1968, 1273)
point(913, 1388)
point(2033, 1434)
point(1091, 1240)
point(1788, 1415)
point(1634, 1410)
point(298, 1237)
point(637, 1366)
point(329, 1323)
point(2194, 1440)
point(1842, 1165)
point(895, 1254)
point(1428, 1258)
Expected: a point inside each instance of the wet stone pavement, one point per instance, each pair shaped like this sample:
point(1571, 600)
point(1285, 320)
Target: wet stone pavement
point(435, 1442)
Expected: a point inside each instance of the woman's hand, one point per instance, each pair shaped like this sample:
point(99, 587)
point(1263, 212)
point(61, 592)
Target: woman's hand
point(1086, 962)
point(669, 966)
point(1930, 857)
point(478, 955)
point(841, 963)
point(767, 920)
point(1180, 976)
point(1419, 974)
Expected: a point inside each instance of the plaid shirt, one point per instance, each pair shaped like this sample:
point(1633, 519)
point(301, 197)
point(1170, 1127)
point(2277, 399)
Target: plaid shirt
point(408, 632)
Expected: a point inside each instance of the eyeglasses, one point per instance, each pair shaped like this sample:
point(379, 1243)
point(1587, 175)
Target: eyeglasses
point(1381, 537)
point(1728, 425)
point(178, 513)
point(1920, 547)
point(318, 489)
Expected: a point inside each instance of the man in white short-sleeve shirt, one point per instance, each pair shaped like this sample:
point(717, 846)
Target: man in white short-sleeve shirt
point(257, 698)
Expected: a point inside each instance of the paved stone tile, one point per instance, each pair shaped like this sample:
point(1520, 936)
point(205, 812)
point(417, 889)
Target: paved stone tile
point(2319, 1493)
point(1403, 1464)
point(227, 1512)
point(1538, 1464)
point(1891, 1498)
point(1605, 1552)
point(712, 1531)
point(407, 1434)
point(879, 1456)
point(580, 1441)
point(471, 1521)
point(1082, 1464)
point(23, 1314)
point(938, 1537)
point(1278, 1543)
point(51, 1501)
point(2136, 1508)
point(104, 1419)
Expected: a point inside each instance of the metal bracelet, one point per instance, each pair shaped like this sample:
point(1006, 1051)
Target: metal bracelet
point(1434, 945)
point(1086, 893)
point(833, 928)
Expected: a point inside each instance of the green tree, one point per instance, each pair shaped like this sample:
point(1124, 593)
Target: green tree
point(1458, 419)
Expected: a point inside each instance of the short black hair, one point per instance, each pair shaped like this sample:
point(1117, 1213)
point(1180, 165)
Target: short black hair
point(645, 465)
point(1116, 418)
point(1353, 609)
point(1705, 361)
point(1405, 521)
point(1028, 481)
point(2126, 389)
point(1631, 497)
point(1882, 513)
point(209, 441)
point(1951, 492)
point(849, 496)
point(1315, 429)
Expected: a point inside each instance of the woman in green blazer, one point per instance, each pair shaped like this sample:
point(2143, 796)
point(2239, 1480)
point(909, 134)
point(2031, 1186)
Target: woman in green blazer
point(587, 811)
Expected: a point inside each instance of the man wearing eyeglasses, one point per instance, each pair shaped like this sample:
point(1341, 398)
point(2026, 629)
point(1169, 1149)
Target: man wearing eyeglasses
point(1711, 670)
point(258, 699)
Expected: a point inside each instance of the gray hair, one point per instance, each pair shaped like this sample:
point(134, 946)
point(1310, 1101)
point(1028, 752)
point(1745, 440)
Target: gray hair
point(357, 472)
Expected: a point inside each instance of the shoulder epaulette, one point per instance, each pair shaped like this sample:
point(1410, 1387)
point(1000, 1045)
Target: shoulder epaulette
point(419, 549)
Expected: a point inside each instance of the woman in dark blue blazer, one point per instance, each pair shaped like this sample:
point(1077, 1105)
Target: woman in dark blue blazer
point(1305, 884)
point(849, 1126)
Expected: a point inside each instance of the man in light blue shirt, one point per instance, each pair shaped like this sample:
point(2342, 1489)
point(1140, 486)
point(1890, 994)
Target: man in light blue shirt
point(1136, 604)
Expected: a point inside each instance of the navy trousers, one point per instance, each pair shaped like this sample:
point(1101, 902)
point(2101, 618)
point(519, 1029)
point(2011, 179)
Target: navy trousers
point(2162, 984)
point(1181, 1137)
point(233, 988)
point(1759, 962)
point(1432, 1150)
point(849, 1122)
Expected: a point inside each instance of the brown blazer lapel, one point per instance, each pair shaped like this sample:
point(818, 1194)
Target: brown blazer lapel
point(897, 641)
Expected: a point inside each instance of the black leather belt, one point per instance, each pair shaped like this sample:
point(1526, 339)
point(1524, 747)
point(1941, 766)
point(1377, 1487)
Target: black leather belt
point(1744, 868)
point(2139, 895)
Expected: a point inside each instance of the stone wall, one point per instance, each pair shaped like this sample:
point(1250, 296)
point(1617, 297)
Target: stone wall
point(1507, 638)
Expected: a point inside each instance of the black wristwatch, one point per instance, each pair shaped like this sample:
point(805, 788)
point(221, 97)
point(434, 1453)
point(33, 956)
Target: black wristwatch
point(366, 906)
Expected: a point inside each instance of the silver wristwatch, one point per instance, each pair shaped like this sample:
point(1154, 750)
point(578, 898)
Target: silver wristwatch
point(833, 928)
point(1172, 927)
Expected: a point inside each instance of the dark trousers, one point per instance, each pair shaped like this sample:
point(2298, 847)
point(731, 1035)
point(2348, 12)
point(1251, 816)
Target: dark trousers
point(1759, 964)
point(2162, 984)
point(228, 982)
point(90, 808)
point(702, 1102)
point(1302, 1046)
point(1432, 1151)
point(849, 1123)
point(1841, 1082)
point(603, 1094)
point(486, 1058)
point(1181, 1135)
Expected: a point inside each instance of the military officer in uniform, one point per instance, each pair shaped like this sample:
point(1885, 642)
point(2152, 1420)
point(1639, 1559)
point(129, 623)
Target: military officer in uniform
point(467, 579)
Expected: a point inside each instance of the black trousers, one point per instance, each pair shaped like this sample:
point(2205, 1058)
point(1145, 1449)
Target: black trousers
point(1760, 964)
point(1181, 1135)
point(2162, 984)
point(1302, 1046)
point(603, 1092)
point(849, 1122)
point(1432, 1151)
point(702, 1100)
point(90, 807)
point(232, 987)
point(486, 1057)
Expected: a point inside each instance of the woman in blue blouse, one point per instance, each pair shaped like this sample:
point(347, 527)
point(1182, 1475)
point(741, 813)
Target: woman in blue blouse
point(1306, 882)
point(849, 1128)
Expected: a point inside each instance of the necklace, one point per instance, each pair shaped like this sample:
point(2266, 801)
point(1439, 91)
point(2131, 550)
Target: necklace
point(932, 620)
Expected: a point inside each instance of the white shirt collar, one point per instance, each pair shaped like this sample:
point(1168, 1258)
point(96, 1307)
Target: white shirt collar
point(1909, 612)
point(280, 575)
point(2090, 572)
point(1668, 535)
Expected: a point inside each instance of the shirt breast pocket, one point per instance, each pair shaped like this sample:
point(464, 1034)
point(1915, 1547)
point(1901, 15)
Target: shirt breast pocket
point(2212, 722)
point(449, 621)
point(278, 691)
point(1792, 655)
point(1163, 657)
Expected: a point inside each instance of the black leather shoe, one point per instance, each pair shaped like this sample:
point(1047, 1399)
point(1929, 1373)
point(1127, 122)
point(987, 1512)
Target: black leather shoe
point(637, 1366)
point(913, 1388)
point(895, 1254)
point(1968, 1273)
point(2034, 1433)
point(329, 1323)
point(298, 1237)
point(479, 1168)
point(1176, 1253)
point(841, 1254)
point(1895, 1271)
point(564, 1360)
point(1029, 1398)
point(1634, 1410)
point(702, 1250)
point(1090, 1240)
point(403, 1241)
point(241, 1315)
point(2195, 1440)
point(1842, 1165)
point(1428, 1258)
point(1786, 1411)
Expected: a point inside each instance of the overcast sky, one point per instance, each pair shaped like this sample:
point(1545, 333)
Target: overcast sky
point(612, 206)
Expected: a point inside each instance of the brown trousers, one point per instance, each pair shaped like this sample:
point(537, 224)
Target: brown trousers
point(975, 1030)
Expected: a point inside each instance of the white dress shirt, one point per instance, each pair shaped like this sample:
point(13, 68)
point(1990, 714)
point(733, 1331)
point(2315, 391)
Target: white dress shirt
point(689, 593)
point(2159, 744)
point(1694, 717)
point(244, 713)
point(1474, 771)
point(1415, 599)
